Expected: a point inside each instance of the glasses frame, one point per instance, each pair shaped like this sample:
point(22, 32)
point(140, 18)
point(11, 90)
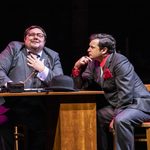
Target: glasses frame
point(39, 35)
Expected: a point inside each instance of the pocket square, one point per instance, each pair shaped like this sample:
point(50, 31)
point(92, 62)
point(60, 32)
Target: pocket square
point(107, 74)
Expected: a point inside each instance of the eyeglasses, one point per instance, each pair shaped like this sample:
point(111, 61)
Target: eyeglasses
point(40, 35)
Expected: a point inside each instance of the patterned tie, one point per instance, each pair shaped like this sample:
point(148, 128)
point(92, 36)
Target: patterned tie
point(37, 55)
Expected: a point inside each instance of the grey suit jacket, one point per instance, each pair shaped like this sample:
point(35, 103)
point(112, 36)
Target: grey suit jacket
point(13, 65)
point(124, 89)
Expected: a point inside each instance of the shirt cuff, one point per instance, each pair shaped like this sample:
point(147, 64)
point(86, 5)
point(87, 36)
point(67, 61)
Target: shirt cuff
point(75, 72)
point(42, 75)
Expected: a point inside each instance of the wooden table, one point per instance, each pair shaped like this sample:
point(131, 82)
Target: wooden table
point(76, 122)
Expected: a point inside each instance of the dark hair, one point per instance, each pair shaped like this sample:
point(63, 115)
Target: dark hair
point(32, 27)
point(105, 40)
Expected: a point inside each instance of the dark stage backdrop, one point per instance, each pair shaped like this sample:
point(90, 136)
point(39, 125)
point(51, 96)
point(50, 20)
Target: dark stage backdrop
point(69, 24)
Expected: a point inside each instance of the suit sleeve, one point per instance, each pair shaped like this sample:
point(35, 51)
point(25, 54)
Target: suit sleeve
point(6, 58)
point(86, 79)
point(54, 66)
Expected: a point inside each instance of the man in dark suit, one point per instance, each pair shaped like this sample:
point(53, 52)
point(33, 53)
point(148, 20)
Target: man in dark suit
point(33, 64)
point(128, 101)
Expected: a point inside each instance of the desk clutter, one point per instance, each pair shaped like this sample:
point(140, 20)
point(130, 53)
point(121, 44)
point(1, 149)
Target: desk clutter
point(58, 83)
point(62, 83)
point(13, 87)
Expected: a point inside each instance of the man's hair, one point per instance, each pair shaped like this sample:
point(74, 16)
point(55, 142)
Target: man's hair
point(105, 40)
point(33, 27)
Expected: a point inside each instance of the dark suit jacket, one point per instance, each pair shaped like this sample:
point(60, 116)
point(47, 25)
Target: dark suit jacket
point(2, 101)
point(13, 65)
point(123, 89)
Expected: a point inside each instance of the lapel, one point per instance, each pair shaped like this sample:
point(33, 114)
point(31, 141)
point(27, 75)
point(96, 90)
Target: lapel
point(106, 65)
point(108, 62)
point(47, 59)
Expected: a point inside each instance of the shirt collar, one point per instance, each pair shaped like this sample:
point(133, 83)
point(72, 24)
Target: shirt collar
point(102, 64)
point(38, 54)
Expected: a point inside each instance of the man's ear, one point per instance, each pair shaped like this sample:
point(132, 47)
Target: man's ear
point(104, 50)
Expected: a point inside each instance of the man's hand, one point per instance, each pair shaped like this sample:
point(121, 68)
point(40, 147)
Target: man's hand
point(111, 126)
point(82, 61)
point(35, 63)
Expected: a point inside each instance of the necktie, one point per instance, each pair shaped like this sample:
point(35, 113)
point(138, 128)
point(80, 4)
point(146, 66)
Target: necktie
point(37, 55)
